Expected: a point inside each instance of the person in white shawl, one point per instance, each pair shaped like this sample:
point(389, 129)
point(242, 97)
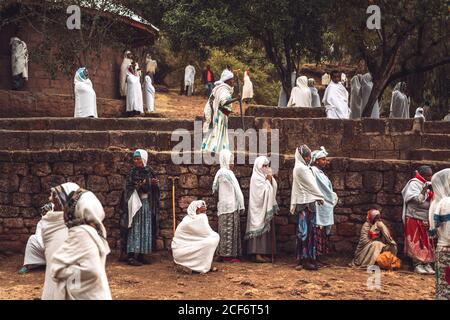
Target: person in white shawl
point(261, 210)
point(282, 97)
point(399, 102)
point(366, 89)
point(304, 196)
point(189, 79)
point(150, 66)
point(85, 97)
point(300, 94)
point(361, 87)
point(194, 242)
point(439, 220)
point(335, 98)
point(229, 209)
point(149, 90)
point(127, 59)
point(315, 98)
point(135, 102)
point(247, 89)
point(324, 212)
point(19, 62)
point(222, 100)
point(78, 266)
point(417, 196)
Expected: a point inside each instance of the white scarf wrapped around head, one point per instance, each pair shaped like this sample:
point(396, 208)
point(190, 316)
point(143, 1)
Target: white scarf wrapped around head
point(300, 94)
point(237, 202)
point(304, 186)
point(192, 209)
point(419, 114)
point(262, 202)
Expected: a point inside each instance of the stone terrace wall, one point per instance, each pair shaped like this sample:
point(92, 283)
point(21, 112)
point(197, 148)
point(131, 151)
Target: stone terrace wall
point(26, 177)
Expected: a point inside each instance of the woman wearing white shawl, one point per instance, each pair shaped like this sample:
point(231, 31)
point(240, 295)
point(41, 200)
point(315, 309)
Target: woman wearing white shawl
point(305, 193)
point(222, 107)
point(247, 89)
point(366, 89)
point(399, 102)
point(123, 72)
point(261, 210)
point(229, 209)
point(300, 94)
point(54, 233)
point(315, 98)
point(324, 212)
point(439, 219)
point(355, 97)
point(335, 99)
point(149, 90)
point(19, 62)
point(135, 102)
point(85, 97)
point(194, 242)
point(189, 79)
point(78, 266)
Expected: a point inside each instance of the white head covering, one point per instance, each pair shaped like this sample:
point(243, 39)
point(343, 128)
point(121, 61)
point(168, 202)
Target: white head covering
point(302, 82)
point(304, 185)
point(318, 154)
point(225, 159)
point(143, 154)
point(63, 191)
point(192, 209)
point(226, 75)
point(419, 113)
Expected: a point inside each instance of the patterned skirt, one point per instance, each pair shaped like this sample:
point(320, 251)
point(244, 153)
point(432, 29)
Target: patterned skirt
point(230, 235)
point(443, 273)
point(140, 234)
point(418, 245)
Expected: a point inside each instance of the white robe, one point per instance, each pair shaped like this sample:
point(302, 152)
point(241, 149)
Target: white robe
point(78, 266)
point(34, 251)
point(123, 76)
point(189, 77)
point(54, 233)
point(399, 104)
point(149, 90)
point(134, 93)
point(194, 243)
point(335, 101)
point(315, 98)
point(262, 201)
point(301, 94)
point(85, 98)
point(366, 90)
point(440, 205)
point(19, 57)
point(247, 89)
point(304, 184)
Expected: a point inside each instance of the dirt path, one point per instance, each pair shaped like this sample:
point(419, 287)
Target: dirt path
point(245, 281)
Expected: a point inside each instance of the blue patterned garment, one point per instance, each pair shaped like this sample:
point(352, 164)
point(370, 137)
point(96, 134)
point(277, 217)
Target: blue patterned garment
point(140, 233)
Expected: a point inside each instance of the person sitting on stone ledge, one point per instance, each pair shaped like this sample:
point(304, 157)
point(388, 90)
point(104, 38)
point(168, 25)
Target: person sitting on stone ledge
point(85, 97)
point(304, 196)
point(261, 211)
point(229, 209)
point(375, 238)
point(78, 266)
point(324, 212)
point(417, 196)
point(141, 211)
point(194, 242)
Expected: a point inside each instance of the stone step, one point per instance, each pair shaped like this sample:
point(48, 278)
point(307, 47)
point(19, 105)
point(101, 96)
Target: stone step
point(284, 112)
point(430, 154)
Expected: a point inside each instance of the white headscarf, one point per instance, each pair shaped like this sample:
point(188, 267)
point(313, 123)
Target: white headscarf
point(318, 154)
point(192, 209)
point(419, 113)
point(304, 185)
point(301, 94)
point(441, 189)
point(226, 75)
point(237, 200)
point(143, 154)
point(262, 202)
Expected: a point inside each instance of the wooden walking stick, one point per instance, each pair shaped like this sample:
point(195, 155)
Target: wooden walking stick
point(273, 239)
point(174, 217)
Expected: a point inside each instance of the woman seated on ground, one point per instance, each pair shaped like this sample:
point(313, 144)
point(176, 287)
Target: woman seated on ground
point(194, 242)
point(375, 238)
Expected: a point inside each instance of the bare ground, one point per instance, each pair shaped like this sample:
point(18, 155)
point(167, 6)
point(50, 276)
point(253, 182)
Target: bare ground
point(244, 281)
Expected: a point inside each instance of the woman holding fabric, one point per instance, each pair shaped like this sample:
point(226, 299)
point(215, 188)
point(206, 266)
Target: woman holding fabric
point(305, 194)
point(141, 210)
point(439, 219)
point(229, 209)
point(261, 210)
point(78, 266)
point(194, 242)
point(135, 102)
point(85, 97)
